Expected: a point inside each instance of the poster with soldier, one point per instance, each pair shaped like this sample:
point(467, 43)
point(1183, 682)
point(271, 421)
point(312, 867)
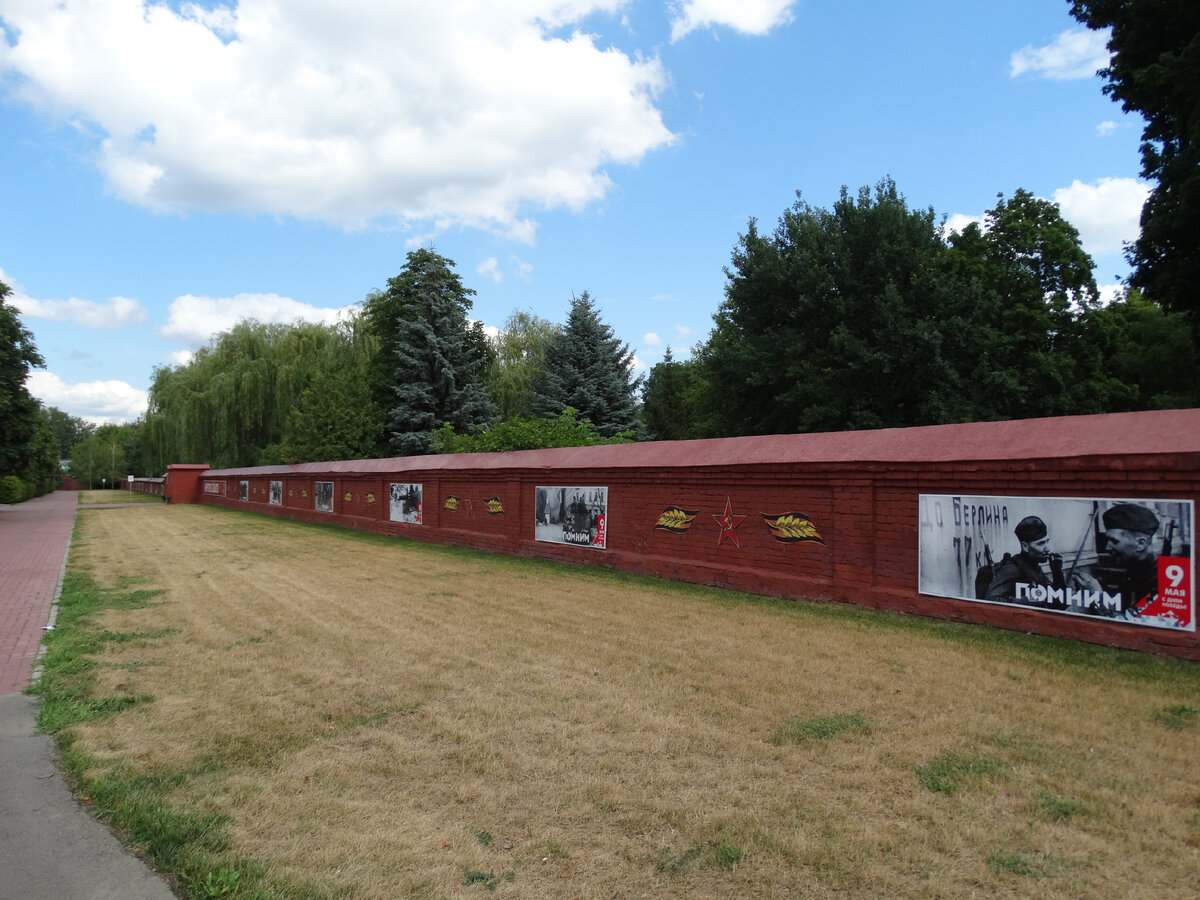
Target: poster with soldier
point(572, 515)
point(1124, 560)
point(406, 503)
point(276, 493)
point(323, 496)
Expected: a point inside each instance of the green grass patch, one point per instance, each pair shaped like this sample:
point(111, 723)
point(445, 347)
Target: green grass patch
point(953, 771)
point(728, 856)
point(1181, 715)
point(822, 728)
point(65, 687)
point(1051, 806)
point(489, 880)
point(1034, 864)
point(669, 864)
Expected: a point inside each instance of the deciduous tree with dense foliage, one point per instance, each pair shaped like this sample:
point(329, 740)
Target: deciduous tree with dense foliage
point(526, 433)
point(68, 430)
point(672, 401)
point(228, 405)
point(863, 317)
point(1035, 282)
point(19, 413)
point(519, 350)
point(841, 319)
point(1155, 70)
point(588, 369)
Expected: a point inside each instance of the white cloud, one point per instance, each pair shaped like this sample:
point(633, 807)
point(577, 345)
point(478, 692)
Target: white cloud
point(1110, 293)
point(1104, 129)
point(636, 365)
point(652, 339)
point(747, 16)
point(458, 113)
point(180, 357)
point(490, 330)
point(115, 313)
point(683, 332)
point(1106, 213)
point(96, 401)
point(524, 269)
point(194, 320)
point(490, 268)
point(1073, 54)
point(957, 224)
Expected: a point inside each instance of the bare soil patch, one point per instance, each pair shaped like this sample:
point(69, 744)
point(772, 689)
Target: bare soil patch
point(385, 719)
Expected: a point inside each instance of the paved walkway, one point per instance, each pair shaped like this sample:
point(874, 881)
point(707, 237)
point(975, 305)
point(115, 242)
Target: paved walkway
point(50, 847)
point(33, 548)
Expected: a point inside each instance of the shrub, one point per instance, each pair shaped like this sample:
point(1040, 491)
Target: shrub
point(12, 489)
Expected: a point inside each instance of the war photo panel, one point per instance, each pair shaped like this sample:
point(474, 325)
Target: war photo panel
point(406, 503)
point(323, 494)
point(572, 515)
point(1124, 560)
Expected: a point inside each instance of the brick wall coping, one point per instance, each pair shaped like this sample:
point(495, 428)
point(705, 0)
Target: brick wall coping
point(1114, 434)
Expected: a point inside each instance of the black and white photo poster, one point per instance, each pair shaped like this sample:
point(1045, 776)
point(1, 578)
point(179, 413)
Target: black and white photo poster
point(323, 496)
point(1125, 560)
point(406, 503)
point(572, 515)
point(276, 493)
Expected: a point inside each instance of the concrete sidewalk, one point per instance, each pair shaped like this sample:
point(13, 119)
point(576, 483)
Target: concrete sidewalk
point(50, 847)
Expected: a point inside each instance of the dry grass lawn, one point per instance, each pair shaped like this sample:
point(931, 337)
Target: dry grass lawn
point(384, 719)
point(92, 498)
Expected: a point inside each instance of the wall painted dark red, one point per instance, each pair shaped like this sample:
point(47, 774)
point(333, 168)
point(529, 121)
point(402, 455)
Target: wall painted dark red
point(860, 489)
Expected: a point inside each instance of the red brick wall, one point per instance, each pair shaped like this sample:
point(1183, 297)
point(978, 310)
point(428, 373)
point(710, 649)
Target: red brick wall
point(860, 491)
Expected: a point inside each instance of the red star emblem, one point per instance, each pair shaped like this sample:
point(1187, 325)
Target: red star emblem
point(728, 522)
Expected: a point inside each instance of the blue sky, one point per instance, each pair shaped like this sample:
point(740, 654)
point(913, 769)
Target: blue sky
point(171, 168)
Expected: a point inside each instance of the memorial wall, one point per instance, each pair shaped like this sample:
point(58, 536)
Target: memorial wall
point(1080, 527)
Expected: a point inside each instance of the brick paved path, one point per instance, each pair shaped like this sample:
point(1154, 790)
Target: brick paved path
point(33, 545)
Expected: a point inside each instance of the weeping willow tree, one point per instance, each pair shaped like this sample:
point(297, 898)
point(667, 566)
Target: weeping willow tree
point(229, 405)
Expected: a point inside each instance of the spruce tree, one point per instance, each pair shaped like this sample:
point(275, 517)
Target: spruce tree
point(588, 369)
point(439, 357)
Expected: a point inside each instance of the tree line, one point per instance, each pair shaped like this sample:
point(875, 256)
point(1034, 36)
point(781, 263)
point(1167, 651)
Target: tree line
point(867, 315)
point(864, 315)
point(407, 372)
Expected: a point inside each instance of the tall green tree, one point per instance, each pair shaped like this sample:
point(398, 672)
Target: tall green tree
point(1147, 355)
point(335, 417)
point(228, 405)
point(68, 430)
point(1036, 283)
point(841, 319)
point(106, 456)
point(1155, 70)
point(864, 317)
point(20, 415)
point(43, 469)
point(673, 408)
point(519, 351)
point(590, 370)
point(438, 356)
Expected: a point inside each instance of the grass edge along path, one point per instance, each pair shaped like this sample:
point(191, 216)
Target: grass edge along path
point(189, 847)
point(194, 848)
